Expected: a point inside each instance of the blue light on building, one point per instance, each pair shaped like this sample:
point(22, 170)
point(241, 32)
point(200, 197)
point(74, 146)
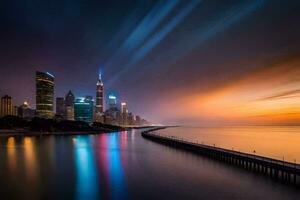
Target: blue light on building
point(112, 101)
point(50, 74)
point(83, 109)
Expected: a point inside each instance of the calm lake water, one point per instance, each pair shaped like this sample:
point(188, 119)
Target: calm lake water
point(279, 142)
point(122, 166)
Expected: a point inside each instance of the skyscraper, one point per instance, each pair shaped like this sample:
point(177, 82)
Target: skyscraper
point(44, 94)
point(124, 114)
point(69, 106)
point(112, 114)
point(99, 100)
point(7, 107)
point(83, 107)
point(112, 101)
point(60, 106)
point(124, 107)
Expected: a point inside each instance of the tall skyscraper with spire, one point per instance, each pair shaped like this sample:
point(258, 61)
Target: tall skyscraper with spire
point(99, 110)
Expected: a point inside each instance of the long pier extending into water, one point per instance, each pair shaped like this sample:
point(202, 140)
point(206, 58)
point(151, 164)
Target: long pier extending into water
point(278, 169)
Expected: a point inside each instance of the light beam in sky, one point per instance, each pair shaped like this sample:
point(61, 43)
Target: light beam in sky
point(157, 38)
point(192, 40)
point(181, 47)
point(143, 30)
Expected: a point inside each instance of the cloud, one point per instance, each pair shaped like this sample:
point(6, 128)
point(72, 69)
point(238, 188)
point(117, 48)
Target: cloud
point(284, 95)
point(267, 95)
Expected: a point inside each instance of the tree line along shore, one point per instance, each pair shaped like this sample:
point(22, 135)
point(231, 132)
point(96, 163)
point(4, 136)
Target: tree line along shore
point(14, 124)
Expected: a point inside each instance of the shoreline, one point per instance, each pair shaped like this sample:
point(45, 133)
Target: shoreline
point(56, 133)
point(14, 133)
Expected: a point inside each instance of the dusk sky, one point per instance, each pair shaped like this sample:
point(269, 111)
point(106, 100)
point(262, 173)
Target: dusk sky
point(175, 62)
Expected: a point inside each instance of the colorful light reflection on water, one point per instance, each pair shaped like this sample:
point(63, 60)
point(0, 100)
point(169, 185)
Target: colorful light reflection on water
point(87, 186)
point(121, 166)
point(115, 169)
point(107, 174)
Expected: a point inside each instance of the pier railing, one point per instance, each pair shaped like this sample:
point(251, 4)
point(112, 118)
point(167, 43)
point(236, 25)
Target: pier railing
point(279, 169)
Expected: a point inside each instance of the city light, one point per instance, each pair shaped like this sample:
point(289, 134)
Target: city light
point(150, 99)
point(112, 97)
point(50, 74)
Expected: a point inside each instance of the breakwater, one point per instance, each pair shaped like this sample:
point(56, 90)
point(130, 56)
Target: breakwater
point(277, 169)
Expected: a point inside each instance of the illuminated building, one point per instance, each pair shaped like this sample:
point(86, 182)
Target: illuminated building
point(25, 111)
point(44, 94)
point(124, 114)
point(69, 106)
point(124, 107)
point(99, 108)
point(112, 101)
point(113, 114)
point(83, 107)
point(7, 107)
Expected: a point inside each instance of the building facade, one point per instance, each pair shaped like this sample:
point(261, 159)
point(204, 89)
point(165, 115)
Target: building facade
point(60, 106)
point(83, 108)
point(44, 94)
point(124, 114)
point(69, 106)
point(99, 108)
point(112, 101)
point(112, 116)
point(25, 111)
point(7, 107)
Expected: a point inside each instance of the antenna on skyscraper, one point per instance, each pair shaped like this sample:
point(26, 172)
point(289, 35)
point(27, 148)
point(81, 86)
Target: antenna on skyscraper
point(100, 74)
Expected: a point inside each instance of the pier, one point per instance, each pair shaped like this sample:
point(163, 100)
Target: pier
point(277, 169)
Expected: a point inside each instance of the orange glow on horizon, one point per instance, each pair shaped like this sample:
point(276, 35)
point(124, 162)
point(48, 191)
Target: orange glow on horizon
point(270, 95)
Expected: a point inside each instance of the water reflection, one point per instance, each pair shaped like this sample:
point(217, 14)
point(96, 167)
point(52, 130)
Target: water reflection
point(109, 166)
point(11, 154)
point(132, 136)
point(102, 165)
point(124, 136)
point(31, 167)
point(87, 186)
point(117, 184)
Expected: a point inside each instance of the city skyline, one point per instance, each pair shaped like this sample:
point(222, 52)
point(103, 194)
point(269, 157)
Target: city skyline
point(71, 107)
point(55, 97)
point(185, 53)
point(150, 99)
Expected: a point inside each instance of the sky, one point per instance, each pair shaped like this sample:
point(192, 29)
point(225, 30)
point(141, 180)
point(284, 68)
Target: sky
point(173, 61)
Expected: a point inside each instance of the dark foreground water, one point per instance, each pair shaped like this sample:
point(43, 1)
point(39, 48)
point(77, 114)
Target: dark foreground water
point(121, 166)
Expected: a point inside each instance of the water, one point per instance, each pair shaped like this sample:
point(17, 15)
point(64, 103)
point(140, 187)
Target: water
point(278, 142)
point(121, 166)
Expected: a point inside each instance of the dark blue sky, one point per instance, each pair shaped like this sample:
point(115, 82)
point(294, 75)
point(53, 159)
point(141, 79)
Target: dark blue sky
point(149, 52)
